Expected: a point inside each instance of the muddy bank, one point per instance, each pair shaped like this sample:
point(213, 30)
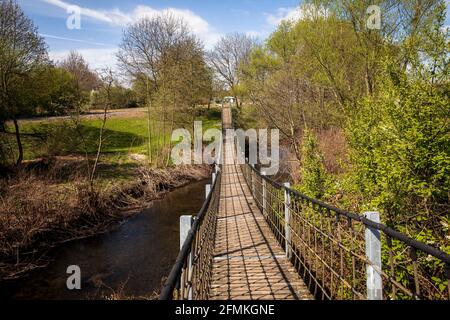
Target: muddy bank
point(129, 262)
point(41, 211)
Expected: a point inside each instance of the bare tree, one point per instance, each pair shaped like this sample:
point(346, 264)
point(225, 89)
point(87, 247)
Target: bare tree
point(167, 61)
point(228, 55)
point(22, 51)
point(145, 42)
point(108, 81)
point(85, 79)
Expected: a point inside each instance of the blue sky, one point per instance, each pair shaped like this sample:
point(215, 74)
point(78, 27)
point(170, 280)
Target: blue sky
point(102, 21)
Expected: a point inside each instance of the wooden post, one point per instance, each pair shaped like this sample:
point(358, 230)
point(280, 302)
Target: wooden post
point(264, 195)
point(287, 230)
point(373, 255)
point(185, 227)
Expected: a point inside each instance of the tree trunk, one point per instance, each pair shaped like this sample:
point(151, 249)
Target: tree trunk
point(100, 143)
point(149, 133)
point(19, 142)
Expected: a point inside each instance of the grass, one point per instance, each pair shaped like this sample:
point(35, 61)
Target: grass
point(49, 199)
point(123, 135)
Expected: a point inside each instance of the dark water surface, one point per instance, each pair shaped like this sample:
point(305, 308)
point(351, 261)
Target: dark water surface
point(136, 256)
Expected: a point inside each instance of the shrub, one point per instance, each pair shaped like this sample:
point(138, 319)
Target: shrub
point(313, 174)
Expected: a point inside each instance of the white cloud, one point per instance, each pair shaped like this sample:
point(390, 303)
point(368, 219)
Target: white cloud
point(198, 25)
point(113, 16)
point(116, 17)
point(50, 36)
point(97, 58)
point(282, 14)
point(295, 14)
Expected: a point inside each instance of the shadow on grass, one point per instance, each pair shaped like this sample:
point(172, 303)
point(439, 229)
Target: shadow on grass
point(113, 141)
point(58, 139)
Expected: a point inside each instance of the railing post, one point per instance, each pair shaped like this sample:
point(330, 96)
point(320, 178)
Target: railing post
point(287, 218)
point(246, 169)
point(252, 175)
point(264, 195)
point(207, 190)
point(373, 254)
point(185, 227)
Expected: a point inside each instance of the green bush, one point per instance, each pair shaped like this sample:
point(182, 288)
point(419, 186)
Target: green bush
point(313, 174)
point(401, 154)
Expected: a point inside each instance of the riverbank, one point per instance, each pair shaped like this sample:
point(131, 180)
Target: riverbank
point(47, 203)
point(129, 262)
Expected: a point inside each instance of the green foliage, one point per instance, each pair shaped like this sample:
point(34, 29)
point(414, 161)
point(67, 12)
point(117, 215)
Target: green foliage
point(120, 97)
point(57, 92)
point(123, 135)
point(283, 42)
point(314, 177)
point(22, 52)
point(401, 148)
point(400, 139)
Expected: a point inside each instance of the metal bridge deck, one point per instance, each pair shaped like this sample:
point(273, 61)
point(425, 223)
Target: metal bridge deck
point(249, 263)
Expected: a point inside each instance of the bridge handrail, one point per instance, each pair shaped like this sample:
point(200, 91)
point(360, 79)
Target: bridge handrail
point(182, 264)
point(312, 235)
point(441, 255)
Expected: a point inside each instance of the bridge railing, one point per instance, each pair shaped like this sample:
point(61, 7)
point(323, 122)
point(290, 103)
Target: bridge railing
point(327, 246)
point(190, 276)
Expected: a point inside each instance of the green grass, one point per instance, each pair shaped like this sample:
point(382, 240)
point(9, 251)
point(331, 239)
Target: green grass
point(122, 135)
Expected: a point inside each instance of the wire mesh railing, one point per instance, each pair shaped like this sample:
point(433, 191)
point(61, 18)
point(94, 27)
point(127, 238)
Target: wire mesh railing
point(329, 248)
point(191, 274)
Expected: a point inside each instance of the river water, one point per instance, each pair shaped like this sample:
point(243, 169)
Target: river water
point(132, 259)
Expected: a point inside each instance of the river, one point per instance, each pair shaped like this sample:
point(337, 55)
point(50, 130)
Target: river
point(132, 259)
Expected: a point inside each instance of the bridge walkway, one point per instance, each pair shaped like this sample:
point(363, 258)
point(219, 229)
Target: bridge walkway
point(249, 263)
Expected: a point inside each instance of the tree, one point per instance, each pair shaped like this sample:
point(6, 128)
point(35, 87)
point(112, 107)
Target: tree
point(55, 91)
point(145, 42)
point(22, 51)
point(314, 178)
point(167, 66)
point(401, 161)
point(120, 97)
point(226, 58)
point(85, 79)
point(108, 82)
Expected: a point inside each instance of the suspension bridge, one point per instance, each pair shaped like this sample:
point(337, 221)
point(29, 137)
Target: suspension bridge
point(256, 239)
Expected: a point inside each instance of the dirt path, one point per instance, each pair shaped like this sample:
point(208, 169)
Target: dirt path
point(96, 114)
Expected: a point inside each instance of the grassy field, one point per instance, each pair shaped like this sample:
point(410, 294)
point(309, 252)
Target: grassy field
point(125, 133)
point(51, 195)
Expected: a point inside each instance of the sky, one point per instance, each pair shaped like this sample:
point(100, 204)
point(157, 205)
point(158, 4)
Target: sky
point(102, 21)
